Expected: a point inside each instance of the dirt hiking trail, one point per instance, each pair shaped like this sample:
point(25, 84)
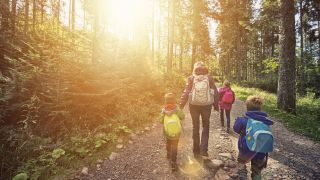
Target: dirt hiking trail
point(144, 155)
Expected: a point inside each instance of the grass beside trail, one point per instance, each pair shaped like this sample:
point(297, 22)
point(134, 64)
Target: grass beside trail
point(307, 120)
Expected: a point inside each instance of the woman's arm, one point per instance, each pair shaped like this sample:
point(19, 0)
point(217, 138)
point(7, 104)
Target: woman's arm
point(185, 94)
point(180, 114)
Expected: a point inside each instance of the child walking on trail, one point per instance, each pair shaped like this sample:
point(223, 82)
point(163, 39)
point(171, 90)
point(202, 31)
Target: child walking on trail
point(171, 118)
point(256, 140)
point(226, 99)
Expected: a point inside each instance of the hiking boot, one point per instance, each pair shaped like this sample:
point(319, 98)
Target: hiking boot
point(228, 130)
point(204, 154)
point(174, 166)
point(198, 157)
point(168, 156)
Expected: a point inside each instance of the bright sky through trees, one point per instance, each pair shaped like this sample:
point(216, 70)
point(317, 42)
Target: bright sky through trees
point(123, 17)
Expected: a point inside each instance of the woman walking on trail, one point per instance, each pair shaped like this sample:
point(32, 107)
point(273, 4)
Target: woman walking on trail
point(202, 94)
point(226, 99)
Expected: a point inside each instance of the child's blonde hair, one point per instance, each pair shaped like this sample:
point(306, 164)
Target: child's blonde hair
point(254, 103)
point(169, 98)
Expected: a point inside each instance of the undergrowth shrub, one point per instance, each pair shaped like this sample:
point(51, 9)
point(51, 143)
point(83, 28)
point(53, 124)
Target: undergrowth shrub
point(57, 110)
point(268, 84)
point(306, 121)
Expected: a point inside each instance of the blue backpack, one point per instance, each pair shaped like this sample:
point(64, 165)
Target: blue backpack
point(259, 137)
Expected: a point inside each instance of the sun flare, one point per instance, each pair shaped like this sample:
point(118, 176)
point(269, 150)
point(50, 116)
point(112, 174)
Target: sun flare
point(125, 16)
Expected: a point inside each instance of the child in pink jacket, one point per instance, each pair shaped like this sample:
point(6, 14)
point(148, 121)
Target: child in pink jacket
point(226, 99)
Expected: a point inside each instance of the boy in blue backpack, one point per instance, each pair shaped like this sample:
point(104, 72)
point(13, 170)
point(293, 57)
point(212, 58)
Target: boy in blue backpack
point(251, 147)
point(171, 118)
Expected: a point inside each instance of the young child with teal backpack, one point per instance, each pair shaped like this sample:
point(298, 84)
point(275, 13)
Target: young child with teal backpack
point(256, 139)
point(171, 118)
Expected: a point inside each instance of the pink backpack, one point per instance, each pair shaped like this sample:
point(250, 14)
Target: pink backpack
point(228, 97)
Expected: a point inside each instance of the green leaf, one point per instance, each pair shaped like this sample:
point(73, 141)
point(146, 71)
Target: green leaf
point(21, 176)
point(99, 143)
point(57, 153)
point(82, 151)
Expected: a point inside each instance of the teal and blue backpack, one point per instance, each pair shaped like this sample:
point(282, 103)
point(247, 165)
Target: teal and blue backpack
point(259, 137)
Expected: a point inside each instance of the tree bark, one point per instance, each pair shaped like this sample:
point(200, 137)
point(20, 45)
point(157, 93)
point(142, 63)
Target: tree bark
point(73, 15)
point(159, 35)
point(95, 37)
point(153, 31)
point(181, 54)
point(302, 81)
point(34, 14)
point(5, 13)
point(26, 17)
point(13, 16)
point(195, 28)
point(58, 15)
point(171, 17)
point(286, 94)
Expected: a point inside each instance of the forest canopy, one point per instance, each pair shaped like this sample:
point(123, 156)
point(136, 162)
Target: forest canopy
point(75, 75)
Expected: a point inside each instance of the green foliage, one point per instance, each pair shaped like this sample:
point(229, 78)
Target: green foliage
point(57, 153)
point(123, 129)
point(20, 176)
point(32, 112)
point(269, 84)
point(305, 122)
point(271, 65)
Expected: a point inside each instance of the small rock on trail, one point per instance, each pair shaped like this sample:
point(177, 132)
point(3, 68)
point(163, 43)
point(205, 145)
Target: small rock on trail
point(225, 155)
point(215, 163)
point(113, 156)
point(85, 171)
point(119, 146)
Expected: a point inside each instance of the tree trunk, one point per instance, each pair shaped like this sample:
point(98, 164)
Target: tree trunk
point(13, 16)
point(58, 15)
point(319, 31)
point(95, 38)
point(153, 31)
point(287, 70)
point(26, 17)
point(5, 14)
point(42, 11)
point(193, 56)
point(171, 12)
point(34, 15)
point(195, 28)
point(159, 35)
point(73, 15)
point(302, 81)
point(181, 55)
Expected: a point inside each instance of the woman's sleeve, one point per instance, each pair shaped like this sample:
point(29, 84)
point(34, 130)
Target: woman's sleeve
point(181, 115)
point(185, 95)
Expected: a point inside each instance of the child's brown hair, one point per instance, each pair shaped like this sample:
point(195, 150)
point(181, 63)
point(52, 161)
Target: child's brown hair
point(169, 98)
point(254, 103)
point(226, 83)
